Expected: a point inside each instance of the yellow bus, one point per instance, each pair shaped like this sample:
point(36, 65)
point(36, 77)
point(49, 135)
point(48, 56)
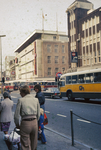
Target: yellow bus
point(82, 84)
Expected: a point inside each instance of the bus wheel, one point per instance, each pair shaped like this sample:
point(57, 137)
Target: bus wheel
point(86, 99)
point(69, 96)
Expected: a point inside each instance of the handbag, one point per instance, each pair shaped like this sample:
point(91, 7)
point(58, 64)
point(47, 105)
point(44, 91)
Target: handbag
point(45, 119)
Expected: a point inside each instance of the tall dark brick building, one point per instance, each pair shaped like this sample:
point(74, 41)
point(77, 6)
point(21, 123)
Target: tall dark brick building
point(84, 32)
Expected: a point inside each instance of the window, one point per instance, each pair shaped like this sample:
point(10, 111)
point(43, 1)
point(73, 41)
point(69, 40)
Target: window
point(63, 48)
point(49, 71)
point(48, 48)
point(74, 79)
point(89, 78)
point(95, 53)
point(81, 78)
point(62, 82)
point(99, 58)
point(56, 70)
point(56, 59)
point(63, 69)
point(68, 80)
point(56, 49)
point(54, 37)
point(97, 77)
point(48, 59)
point(63, 59)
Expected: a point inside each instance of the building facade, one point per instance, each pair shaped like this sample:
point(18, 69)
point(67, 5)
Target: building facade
point(42, 55)
point(84, 33)
point(9, 67)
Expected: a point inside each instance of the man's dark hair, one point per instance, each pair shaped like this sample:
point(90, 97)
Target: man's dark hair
point(25, 89)
point(6, 95)
point(37, 86)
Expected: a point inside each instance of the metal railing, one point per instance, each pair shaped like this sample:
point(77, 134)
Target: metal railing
point(72, 130)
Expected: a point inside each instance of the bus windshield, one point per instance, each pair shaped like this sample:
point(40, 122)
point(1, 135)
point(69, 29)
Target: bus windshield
point(62, 82)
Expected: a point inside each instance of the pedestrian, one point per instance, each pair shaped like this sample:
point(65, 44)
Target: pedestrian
point(40, 96)
point(41, 127)
point(29, 109)
point(6, 116)
point(9, 93)
point(41, 99)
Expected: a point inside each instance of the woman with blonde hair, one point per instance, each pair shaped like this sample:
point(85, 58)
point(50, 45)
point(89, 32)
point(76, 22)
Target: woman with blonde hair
point(29, 109)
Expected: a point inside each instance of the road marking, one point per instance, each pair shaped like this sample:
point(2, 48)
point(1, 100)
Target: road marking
point(53, 100)
point(83, 120)
point(47, 112)
point(61, 115)
point(13, 97)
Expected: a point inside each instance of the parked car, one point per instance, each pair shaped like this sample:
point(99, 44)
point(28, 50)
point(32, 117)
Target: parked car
point(52, 92)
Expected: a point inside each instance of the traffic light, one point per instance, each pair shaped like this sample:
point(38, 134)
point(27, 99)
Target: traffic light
point(56, 79)
point(3, 79)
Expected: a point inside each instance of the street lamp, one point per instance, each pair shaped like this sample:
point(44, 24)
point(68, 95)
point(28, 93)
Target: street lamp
point(1, 59)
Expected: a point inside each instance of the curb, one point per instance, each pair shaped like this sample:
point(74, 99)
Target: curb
point(69, 138)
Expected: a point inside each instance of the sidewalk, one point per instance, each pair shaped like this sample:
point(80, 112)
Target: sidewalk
point(55, 141)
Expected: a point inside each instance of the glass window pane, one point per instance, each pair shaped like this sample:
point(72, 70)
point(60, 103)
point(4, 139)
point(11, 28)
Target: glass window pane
point(62, 82)
point(68, 80)
point(74, 79)
point(89, 78)
point(97, 77)
point(81, 78)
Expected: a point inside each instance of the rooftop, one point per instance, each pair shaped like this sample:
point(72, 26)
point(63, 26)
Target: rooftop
point(36, 35)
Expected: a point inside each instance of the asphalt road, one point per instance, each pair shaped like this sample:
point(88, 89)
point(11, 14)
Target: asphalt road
point(58, 112)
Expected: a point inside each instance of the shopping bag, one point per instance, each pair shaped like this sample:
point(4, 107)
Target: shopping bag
point(45, 119)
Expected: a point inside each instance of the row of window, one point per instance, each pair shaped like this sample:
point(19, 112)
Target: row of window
point(83, 78)
point(91, 22)
point(56, 50)
point(56, 70)
point(56, 59)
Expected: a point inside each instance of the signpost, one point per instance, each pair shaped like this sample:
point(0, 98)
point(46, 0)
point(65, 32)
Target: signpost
point(58, 74)
point(13, 73)
point(74, 57)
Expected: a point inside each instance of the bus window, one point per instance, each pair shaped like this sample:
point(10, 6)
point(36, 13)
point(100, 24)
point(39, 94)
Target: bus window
point(89, 78)
point(81, 78)
point(34, 83)
point(74, 79)
point(62, 82)
point(49, 83)
point(68, 80)
point(55, 83)
point(97, 77)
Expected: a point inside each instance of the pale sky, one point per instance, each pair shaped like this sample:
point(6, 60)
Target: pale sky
point(19, 18)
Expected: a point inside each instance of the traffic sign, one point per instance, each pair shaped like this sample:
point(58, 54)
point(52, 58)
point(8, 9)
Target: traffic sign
point(13, 72)
point(58, 74)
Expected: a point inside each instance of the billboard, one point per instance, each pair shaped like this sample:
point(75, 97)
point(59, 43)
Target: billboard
point(74, 57)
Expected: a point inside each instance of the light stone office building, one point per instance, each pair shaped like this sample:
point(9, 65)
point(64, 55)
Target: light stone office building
point(84, 33)
point(42, 55)
point(9, 67)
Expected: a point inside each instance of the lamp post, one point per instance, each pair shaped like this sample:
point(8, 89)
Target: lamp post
point(1, 60)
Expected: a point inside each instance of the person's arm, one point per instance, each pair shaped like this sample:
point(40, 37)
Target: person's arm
point(17, 114)
point(0, 106)
point(41, 98)
point(38, 110)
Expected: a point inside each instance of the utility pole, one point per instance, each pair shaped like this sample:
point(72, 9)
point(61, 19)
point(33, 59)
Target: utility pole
point(1, 61)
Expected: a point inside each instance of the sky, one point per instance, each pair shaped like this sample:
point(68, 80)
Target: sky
point(19, 18)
